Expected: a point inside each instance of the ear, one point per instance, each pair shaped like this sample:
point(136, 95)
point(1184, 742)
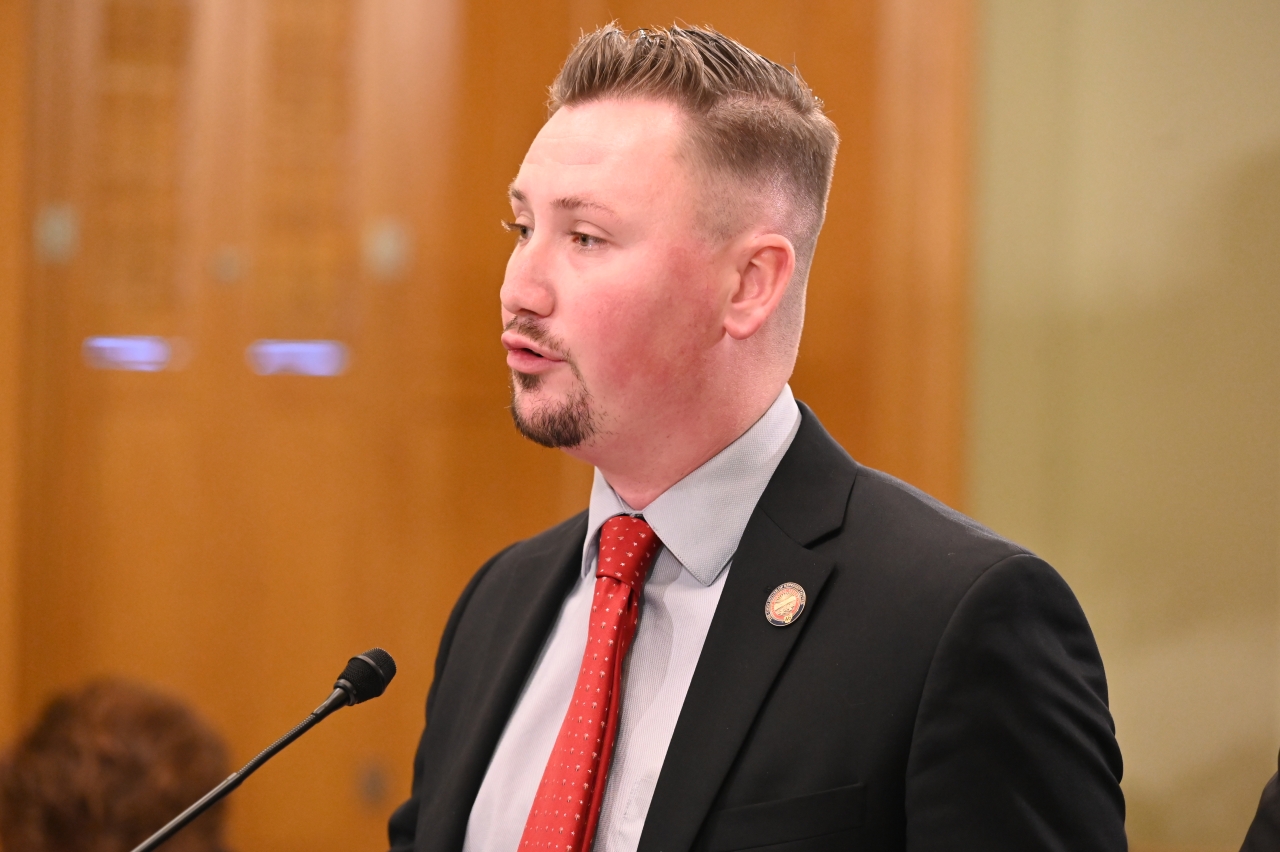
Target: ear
point(768, 261)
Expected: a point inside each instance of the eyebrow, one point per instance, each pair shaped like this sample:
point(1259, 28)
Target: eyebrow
point(569, 202)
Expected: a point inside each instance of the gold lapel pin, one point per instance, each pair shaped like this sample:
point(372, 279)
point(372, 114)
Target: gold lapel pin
point(784, 604)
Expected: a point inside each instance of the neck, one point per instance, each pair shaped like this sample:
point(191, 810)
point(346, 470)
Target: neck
point(642, 465)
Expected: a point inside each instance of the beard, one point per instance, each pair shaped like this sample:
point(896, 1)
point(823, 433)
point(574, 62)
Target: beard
point(555, 425)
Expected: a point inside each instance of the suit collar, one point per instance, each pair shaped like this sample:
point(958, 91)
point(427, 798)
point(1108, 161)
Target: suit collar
point(809, 494)
point(805, 501)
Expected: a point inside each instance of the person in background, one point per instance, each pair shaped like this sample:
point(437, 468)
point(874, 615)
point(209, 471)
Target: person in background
point(1264, 834)
point(104, 767)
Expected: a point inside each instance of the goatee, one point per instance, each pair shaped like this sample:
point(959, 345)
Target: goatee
point(558, 426)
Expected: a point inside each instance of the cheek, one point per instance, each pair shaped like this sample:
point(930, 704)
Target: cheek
point(654, 330)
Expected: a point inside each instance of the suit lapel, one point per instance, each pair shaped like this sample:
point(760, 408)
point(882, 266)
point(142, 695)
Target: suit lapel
point(743, 654)
point(531, 609)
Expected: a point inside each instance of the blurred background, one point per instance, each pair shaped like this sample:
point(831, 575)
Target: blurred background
point(252, 399)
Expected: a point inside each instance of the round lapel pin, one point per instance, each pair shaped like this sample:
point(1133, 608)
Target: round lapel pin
point(784, 604)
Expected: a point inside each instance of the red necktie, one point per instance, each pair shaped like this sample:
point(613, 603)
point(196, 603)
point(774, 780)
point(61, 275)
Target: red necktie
point(567, 806)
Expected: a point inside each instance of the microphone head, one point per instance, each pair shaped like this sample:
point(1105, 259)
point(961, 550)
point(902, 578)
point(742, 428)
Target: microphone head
point(367, 675)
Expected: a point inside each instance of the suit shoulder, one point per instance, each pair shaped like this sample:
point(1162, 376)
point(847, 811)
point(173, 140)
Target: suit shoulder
point(821, 495)
point(898, 525)
point(882, 498)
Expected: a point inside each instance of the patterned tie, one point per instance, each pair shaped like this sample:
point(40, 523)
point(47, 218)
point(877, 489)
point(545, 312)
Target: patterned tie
point(565, 811)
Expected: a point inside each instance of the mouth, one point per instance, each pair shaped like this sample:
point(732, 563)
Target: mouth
point(528, 356)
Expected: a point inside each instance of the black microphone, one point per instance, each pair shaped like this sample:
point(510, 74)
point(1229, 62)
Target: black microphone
point(366, 676)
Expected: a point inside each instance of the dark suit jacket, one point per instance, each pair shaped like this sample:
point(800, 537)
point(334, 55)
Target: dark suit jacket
point(940, 691)
point(1264, 833)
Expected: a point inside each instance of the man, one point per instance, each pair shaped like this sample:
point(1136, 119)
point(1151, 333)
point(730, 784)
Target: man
point(749, 640)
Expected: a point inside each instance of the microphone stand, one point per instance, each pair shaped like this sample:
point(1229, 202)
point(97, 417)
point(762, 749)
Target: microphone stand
point(340, 698)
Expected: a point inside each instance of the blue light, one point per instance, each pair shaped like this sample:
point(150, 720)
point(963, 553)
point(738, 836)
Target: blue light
point(145, 354)
point(297, 357)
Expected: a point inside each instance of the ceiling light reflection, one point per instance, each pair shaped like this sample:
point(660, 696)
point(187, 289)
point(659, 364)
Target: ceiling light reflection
point(131, 352)
point(297, 357)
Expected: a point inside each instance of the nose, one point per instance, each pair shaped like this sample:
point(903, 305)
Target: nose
point(527, 286)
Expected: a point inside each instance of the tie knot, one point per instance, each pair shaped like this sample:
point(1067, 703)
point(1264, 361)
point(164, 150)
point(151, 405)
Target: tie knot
point(627, 549)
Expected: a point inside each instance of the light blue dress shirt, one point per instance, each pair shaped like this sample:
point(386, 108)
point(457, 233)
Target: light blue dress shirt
point(700, 521)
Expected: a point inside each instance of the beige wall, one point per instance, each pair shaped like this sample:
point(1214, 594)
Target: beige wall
point(1126, 403)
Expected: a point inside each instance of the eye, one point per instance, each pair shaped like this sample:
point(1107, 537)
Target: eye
point(521, 231)
point(586, 241)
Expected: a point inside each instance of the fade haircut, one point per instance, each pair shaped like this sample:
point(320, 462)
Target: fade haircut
point(748, 119)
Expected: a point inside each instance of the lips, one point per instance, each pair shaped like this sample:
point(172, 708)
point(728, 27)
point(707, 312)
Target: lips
point(528, 356)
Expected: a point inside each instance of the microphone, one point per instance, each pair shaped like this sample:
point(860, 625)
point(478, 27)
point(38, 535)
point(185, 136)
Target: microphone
point(366, 676)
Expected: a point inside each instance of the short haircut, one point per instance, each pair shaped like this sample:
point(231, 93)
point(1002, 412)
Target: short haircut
point(749, 118)
point(104, 768)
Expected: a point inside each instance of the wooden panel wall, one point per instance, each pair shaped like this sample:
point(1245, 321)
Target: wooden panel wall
point(899, 373)
point(15, 228)
point(243, 169)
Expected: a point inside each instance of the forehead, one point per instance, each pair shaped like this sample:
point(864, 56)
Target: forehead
point(608, 143)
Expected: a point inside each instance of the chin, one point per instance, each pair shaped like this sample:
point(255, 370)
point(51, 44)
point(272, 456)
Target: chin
point(561, 421)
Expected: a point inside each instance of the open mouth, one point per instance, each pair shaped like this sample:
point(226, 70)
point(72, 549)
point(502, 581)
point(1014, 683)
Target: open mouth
point(522, 347)
point(527, 355)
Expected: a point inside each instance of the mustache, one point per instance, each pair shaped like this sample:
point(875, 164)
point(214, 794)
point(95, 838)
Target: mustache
point(534, 330)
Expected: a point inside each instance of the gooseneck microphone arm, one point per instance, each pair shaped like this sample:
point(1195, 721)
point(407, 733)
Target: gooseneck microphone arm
point(366, 676)
point(338, 699)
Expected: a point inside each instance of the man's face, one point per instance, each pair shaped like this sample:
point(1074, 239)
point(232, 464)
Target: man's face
point(610, 301)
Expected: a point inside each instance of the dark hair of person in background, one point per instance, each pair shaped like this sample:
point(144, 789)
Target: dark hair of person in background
point(104, 767)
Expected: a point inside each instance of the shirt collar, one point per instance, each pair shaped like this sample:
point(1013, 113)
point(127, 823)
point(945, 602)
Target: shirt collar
point(701, 518)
